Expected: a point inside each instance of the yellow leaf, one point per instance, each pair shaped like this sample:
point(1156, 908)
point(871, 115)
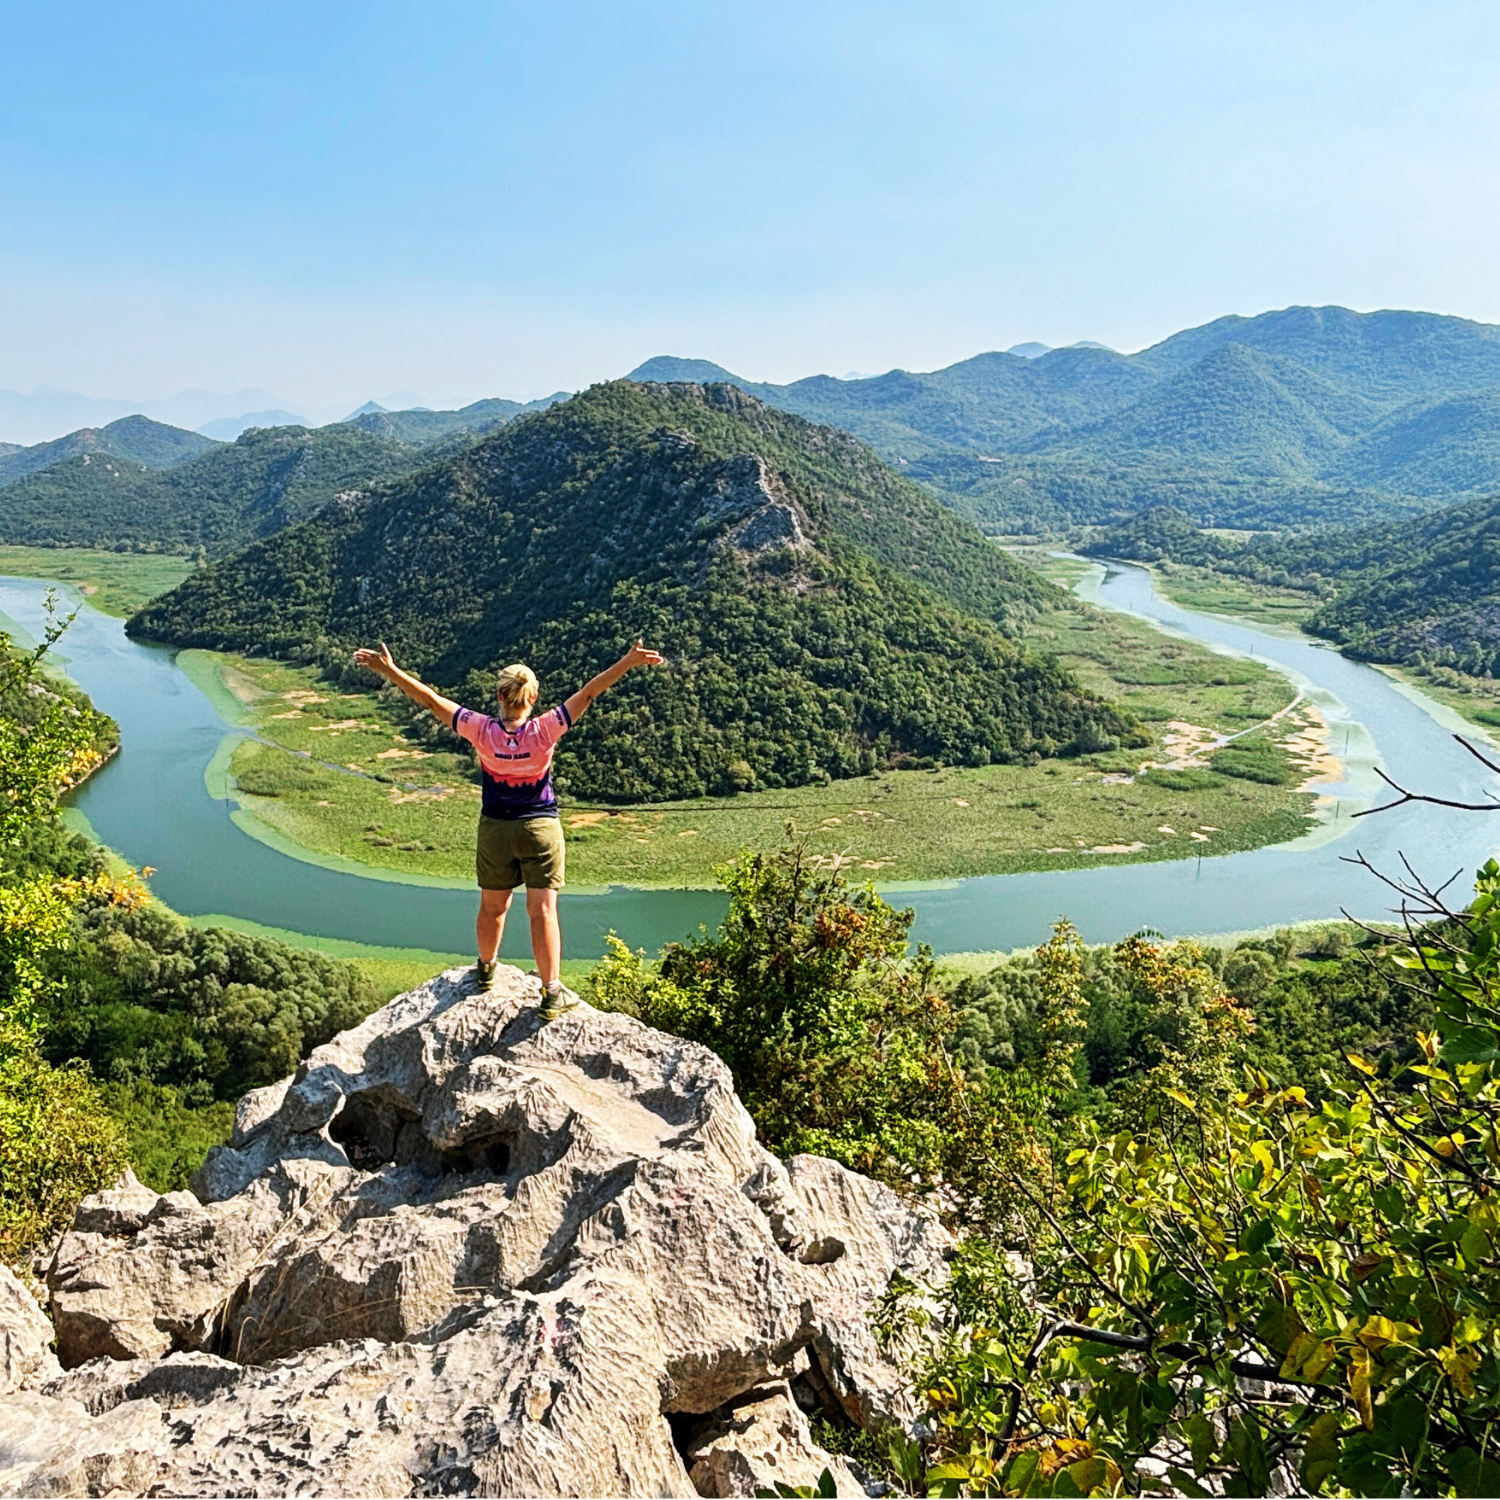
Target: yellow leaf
point(1355, 1061)
point(1360, 1372)
point(1379, 1331)
point(1319, 1360)
point(1460, 1365)
point(1302, 1346)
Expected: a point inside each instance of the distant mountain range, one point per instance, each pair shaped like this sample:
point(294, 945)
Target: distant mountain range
point(29, 417)
point(419, 425)
point(823, 614)
point(1303, 417)
point(227, 429)
point(1300, 417)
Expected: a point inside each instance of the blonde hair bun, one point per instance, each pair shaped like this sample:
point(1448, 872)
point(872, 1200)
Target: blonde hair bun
point(516, 686)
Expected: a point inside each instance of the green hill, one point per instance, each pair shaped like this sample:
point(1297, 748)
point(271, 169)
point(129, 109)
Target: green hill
point(1304, 416)
point(821, 614)
point(138, 440)
point(1444, 447)
point(1159, 534)
point(266, 479)
point(1425, 592)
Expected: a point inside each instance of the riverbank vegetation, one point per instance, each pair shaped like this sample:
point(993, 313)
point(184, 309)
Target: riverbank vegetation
point(342, 773)
point(116, 583)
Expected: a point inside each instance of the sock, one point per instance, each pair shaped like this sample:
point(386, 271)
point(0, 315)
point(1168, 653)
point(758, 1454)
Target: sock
point(553, 986)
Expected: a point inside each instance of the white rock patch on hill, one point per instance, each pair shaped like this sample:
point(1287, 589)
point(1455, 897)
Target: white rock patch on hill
point(464, 1253)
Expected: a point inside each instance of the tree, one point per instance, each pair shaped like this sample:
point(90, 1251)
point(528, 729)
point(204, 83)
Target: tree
point(835, 1034)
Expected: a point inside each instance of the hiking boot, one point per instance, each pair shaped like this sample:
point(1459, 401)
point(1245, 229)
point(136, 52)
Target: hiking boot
point(484, 974)
point(557, 1000)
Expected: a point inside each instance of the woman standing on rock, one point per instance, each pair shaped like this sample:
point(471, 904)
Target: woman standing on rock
point(520, 834)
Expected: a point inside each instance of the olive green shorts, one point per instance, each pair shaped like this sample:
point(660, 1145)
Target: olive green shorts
point(527, 851)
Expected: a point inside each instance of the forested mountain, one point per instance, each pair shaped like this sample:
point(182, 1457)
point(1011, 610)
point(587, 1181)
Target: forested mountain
point(1296, 417)
point(988, 402)
point(138, 440)
point(264, 480)
point(1236, 410)
point(1445, 446)
point(1421, 590)
point(821, 614)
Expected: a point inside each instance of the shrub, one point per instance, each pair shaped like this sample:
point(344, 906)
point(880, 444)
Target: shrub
point(57, 1144)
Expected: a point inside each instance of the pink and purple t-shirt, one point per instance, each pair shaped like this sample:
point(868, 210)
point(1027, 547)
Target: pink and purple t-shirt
point(517, 764)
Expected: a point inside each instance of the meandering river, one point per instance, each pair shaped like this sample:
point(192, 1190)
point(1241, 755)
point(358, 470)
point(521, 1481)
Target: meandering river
point(153, 805)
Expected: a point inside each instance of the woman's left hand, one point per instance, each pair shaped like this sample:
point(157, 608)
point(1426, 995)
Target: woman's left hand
point(640, 656)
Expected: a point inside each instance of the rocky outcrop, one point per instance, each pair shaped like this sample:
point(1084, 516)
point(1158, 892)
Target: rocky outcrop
point(465, 1253)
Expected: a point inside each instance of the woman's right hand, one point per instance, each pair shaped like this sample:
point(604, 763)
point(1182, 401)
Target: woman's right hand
point(380, 661)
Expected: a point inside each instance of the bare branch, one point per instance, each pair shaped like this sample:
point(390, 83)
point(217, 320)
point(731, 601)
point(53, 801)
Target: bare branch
point(1493, 805)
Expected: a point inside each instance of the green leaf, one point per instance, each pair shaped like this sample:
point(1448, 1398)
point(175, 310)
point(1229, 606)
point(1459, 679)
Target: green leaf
point(1473, 1475)
point(1469, 1044)
point(1248, 1449)
point(1322, 1451)
point(1401, 1428)
point(1020, 1471)
point(1259, 1236)
point(906, 1459)
point(1475, 1244)
point(1188, 1485)
point(1088, 1474)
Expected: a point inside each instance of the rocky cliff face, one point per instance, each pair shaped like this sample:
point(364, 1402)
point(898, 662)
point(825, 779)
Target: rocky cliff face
point(464, 1253)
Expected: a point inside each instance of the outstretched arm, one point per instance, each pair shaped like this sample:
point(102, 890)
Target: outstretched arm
point(380, 661)
point(637, 656)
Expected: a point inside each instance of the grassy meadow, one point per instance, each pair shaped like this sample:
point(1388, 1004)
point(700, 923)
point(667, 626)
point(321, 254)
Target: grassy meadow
point(116, 583)
point(1220, 594)
point(335, 773)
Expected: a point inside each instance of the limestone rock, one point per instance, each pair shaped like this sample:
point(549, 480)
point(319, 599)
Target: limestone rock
point(461, 1252)
point(761, 1441)
point(25, 1336)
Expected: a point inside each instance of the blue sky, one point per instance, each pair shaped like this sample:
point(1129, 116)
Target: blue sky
point(331, 200)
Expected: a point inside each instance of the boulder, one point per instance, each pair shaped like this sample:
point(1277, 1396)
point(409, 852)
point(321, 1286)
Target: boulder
point(462, 1252)
point(25, 1336)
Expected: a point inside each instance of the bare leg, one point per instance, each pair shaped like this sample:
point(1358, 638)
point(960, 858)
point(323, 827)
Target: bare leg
point(489, 927)
point(546, 937)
